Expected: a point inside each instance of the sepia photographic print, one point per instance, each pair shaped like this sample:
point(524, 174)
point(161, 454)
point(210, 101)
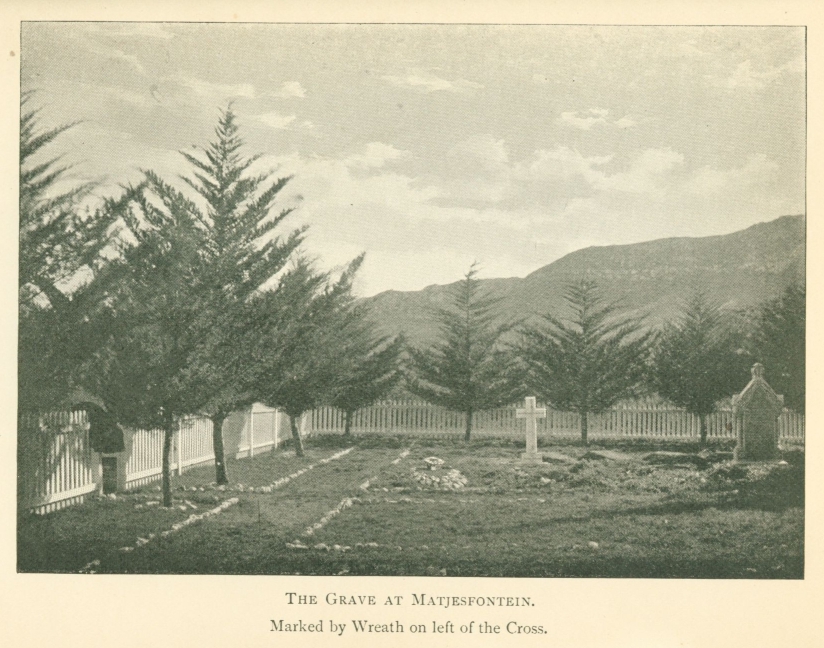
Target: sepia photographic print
point(513, 303)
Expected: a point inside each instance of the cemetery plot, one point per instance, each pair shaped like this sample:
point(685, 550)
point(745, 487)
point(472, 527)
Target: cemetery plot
point(241, 540)
point(603, 513)
point(68, 540)
point(94, 535)
point(476, 509)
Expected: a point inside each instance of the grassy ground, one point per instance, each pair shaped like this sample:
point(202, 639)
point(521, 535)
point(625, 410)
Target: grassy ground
point(585, 516)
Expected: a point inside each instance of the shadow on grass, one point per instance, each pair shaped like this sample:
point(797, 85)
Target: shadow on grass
point(584, 565)
point(777, 492)
point(376, 440)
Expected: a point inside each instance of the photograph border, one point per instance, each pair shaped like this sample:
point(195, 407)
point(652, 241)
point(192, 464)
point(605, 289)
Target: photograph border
point(219, 610)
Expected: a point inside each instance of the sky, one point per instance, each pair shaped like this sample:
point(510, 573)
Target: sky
point(430, 147)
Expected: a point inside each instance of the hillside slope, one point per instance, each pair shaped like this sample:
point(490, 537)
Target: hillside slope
point(738, 270)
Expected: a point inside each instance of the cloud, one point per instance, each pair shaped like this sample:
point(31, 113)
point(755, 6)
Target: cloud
point(387, 214)
point(145, 100)
point(625, 122)
point(291, 89)
point(114, 54)
point(709, 180)
point(564, 163)
point(375, 155)
point(646, 174)
point(484, 148)
point(584, 123)
point(424, 81)
point(276, 120)
point(334, 184)
point(479, 172)
point(746, 76)
point(219, 90)
point(591, 117)
point(485, 174)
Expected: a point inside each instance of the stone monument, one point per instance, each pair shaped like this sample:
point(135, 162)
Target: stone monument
point(755, 414)
point(531, 413)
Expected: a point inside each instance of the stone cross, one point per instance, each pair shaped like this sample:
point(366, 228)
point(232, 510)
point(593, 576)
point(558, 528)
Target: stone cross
point(531, 414)
point(755, 412)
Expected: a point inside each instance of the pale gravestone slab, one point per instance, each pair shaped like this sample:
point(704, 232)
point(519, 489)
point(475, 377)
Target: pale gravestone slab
point(531, 414)
point(755, 412)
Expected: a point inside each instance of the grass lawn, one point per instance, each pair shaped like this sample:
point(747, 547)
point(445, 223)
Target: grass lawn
point(582, 513)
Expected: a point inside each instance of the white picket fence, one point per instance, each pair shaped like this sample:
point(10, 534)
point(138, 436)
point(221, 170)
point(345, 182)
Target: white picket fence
point(56, 466)
point(630, 419)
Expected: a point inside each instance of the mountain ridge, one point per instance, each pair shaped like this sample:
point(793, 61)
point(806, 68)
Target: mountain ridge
point(652, 278)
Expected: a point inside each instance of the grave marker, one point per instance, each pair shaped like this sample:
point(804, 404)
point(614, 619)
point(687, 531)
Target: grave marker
point(755, 412)
point(531, 413)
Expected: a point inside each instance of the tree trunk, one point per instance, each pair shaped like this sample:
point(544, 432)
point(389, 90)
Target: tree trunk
point(165, 477)
point(703, 418)
point(347, 426)
point(584, 428)
point(468, 425)
point(293, 423)
point(217, 443)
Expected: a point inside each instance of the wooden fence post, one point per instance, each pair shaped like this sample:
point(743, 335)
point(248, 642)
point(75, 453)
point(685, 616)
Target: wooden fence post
point(179, 447)
point(57, 465)
point(251, 431)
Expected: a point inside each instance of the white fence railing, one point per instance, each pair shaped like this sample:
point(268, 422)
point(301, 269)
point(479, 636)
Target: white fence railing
point(631, 419)
point(56, 466)
point(55, 463)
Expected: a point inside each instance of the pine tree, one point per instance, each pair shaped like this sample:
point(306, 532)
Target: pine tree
point(58, 240)
point(587, 363)
point(779, 343)
point(196, 267)
point(299, 343)
point(62, 263)
point(369, 367)
point(141, 374)
point(467, 370)
point(698, 360)
point(241, 253)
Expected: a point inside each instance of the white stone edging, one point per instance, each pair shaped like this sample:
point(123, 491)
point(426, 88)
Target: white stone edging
point(195, 517)
point(403, 455)
point(344, 504)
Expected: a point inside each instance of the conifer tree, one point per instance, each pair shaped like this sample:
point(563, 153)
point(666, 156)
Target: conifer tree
point(467, 370)
point(58, 239)
point(242, 252)
point(62, 263)
point(698, 360)
point(369, 367)
point(197, 266)
point(300, 342)
point(779, 343)
point(589, 362)
point(141, 374)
